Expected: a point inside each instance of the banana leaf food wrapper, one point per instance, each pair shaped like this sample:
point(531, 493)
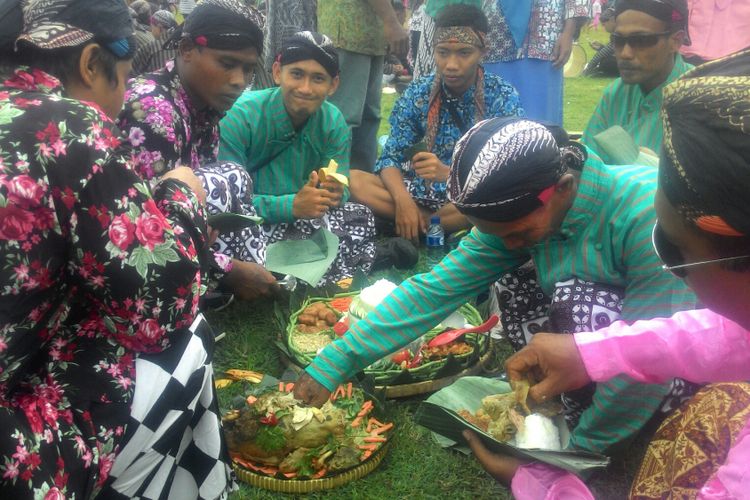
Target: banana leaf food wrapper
point(506, 422)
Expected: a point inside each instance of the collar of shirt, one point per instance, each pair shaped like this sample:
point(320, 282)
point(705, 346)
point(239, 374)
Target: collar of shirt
point(281, 123)
point(588, 201)
point(465, 99)
point(653, 98)
point(201, 119)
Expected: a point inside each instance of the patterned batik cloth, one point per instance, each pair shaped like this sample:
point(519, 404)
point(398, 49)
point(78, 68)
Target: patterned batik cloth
point(576, 306)
point(353, 223)
point(174, 446)
point(229, 189)
point(692, 443)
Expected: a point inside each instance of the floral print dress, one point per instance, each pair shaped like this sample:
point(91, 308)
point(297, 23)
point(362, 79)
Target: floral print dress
point(94, 269)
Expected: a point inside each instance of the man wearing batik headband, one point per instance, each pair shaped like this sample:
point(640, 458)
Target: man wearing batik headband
point(154, 55)
point(533, 194)
point(171, 119)
point(283, 135)
point(408, 186)
point(647, 38)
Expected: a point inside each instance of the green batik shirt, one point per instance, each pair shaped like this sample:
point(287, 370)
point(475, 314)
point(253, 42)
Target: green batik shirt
point(258, 129)
point(627, 106)
point(352, 25)
point(605, 238)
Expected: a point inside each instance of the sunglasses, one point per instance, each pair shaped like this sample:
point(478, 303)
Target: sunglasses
point(672, 258)
point(637, 41)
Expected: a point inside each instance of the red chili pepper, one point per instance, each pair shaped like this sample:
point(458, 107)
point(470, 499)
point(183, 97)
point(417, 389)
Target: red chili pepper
point(401, 356)
point(341, 326)
point(269, 419)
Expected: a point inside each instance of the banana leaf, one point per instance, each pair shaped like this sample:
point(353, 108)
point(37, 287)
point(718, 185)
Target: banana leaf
point(439, 414)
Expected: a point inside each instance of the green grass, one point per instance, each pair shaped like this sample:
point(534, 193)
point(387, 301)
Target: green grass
point(415, 467)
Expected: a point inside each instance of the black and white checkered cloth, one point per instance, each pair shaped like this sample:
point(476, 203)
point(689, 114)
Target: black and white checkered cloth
point(174, 446)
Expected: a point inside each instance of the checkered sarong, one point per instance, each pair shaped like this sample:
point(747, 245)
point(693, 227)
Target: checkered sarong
point(174, 446)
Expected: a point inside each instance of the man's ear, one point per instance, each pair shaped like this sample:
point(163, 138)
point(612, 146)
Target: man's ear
point(89, 65)
point(566, 183)
point(334, 85)
point(276, 72)
point(676, 40)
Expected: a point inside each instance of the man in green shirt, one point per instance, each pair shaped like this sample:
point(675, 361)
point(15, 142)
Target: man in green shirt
point(647, 38)
point(282, 136)
point(577, 218)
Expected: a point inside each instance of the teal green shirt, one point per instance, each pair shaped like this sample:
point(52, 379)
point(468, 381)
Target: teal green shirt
point(627, 106)
point(605, 238)
point(258, 128)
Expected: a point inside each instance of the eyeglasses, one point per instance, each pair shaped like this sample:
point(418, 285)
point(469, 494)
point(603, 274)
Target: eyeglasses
point(637, 41)
point(672, 258)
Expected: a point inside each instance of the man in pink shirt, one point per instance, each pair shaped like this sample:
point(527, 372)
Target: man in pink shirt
point(717, 28)
point(703, 236)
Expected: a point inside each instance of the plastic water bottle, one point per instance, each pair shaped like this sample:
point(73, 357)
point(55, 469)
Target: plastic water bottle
point(435, 242)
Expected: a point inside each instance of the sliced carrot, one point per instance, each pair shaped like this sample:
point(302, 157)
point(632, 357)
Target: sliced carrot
point(290, 475)
point(377, 422)
point(251, 399)
point(365, 409)
point(281, 386)
point(349, 390)
point(371, 447)
point(375, 439)
point(356, 422)
point(320, 473)
point(383, 429)
point(271, 471)
point(290, 387)
point(341, 391)
point(367, 454)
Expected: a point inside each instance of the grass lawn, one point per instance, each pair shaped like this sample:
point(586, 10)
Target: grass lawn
point(415, 467)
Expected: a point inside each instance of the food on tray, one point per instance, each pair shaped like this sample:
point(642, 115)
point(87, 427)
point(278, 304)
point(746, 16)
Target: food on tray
point(277, 434)
point(443, 351)
point(370, 298)
point(508, 417)
point(316, 317)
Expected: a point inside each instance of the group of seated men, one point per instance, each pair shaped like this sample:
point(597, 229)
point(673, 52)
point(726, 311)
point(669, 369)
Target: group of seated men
point(258, 153)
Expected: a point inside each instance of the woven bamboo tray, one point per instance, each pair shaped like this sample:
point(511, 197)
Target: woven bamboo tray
point(301, 486)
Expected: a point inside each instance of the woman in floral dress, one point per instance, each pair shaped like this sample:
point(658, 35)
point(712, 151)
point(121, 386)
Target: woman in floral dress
point(95, 268)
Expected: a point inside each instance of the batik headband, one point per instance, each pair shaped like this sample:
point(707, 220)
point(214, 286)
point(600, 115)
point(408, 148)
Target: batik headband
point(223, 25)
point(460, 34)
point(505, 168)
point(672, 12)
point(307, 45)
point(55, 24)
point(704, 170)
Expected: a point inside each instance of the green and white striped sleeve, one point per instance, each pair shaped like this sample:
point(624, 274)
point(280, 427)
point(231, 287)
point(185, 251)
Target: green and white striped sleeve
point(416, 306)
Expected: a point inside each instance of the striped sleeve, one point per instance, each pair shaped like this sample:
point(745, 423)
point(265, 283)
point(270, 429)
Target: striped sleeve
point(236, 133)
point(274, 208)
point(415, 307)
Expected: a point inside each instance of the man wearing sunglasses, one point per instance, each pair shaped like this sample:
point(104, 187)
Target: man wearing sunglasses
point(647, 38)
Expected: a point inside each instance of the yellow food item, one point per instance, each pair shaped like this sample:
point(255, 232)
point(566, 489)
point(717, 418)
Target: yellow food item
point(221, 383)
point(329, 172)
point(246, 375)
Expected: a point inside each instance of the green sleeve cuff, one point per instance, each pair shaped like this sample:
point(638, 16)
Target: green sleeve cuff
point(274, 209)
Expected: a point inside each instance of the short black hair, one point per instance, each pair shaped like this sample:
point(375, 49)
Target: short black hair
point(729, 246)
point(462, 15)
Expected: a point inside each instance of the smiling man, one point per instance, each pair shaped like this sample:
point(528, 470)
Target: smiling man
point(283, 135)
point(171, 118)
point(532, 194)
point(647, 38)
point(409, 186)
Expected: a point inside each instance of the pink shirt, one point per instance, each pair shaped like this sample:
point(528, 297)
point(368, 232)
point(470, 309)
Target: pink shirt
point(717, 27)
point(699, 346)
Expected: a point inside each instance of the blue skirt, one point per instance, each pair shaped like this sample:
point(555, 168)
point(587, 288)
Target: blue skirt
point(539, 84)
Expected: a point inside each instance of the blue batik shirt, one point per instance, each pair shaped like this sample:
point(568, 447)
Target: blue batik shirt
point(409, 123)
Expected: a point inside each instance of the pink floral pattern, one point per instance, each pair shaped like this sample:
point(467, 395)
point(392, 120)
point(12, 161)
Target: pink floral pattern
point(94, 269)
point(164, 127)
